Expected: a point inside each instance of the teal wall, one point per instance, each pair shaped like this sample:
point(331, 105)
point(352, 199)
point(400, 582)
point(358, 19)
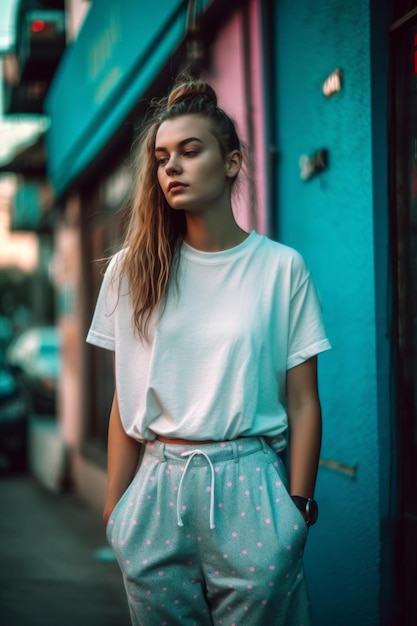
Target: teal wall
point(338, 222)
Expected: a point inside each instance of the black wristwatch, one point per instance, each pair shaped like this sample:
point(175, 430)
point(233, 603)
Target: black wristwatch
point(308, 508)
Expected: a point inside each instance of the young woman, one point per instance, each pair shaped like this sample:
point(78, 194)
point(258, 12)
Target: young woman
point(215, 333)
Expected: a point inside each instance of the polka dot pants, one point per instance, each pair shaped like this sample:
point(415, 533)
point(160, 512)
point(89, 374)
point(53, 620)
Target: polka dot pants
point(209, 535)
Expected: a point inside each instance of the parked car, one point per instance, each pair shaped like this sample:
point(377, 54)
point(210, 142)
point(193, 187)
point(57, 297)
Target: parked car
point(14, 411)
point(35, 356)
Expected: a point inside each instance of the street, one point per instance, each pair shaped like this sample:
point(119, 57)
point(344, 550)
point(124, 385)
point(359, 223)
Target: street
point(56, 569)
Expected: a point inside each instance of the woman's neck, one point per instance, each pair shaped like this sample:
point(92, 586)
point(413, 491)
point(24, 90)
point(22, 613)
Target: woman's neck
point(213, 237)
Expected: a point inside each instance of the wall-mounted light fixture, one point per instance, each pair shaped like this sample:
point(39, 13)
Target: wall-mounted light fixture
point(333, 83)
point(314, 164)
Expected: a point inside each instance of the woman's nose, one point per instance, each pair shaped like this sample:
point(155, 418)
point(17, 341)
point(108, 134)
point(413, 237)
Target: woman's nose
point(173, 165)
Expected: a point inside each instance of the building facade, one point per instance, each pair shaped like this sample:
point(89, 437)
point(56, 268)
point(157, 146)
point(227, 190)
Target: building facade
point(323, 94)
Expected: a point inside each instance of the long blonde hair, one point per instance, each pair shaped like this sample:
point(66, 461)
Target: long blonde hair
point(155, 232)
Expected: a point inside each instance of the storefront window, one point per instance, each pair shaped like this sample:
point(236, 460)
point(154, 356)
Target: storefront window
point(103, 236)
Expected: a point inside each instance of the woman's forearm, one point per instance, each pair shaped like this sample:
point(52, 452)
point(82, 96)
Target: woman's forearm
point(305, 426)
point(122, 460)
point(305, 441)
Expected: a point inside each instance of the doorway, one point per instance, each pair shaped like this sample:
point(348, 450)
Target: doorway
point(403, 131)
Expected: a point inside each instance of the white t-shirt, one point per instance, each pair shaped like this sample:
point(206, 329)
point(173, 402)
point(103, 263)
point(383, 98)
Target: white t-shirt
point(216, 362)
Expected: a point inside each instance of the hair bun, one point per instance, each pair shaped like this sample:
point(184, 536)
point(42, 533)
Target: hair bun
point(191, 88)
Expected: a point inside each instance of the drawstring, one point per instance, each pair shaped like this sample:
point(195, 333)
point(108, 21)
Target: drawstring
point(191, 454)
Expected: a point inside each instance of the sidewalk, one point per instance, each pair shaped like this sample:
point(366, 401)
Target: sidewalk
point(50, 573)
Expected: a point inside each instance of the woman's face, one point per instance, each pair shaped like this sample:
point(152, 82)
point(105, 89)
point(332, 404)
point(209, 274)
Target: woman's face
point(192, 172)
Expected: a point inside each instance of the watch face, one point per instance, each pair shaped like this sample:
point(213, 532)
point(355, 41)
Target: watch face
point(312, 512)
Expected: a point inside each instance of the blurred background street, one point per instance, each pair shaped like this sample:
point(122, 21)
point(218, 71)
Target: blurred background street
point(54, 562)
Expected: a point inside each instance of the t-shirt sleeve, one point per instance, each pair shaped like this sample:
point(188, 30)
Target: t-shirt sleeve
point(307, 335)
point(102, 329)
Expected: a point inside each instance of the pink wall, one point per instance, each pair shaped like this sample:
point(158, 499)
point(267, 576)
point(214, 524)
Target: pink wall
point(226, 75)
point(67, 272)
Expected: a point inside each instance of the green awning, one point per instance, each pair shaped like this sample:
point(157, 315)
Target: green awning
point(121, 48)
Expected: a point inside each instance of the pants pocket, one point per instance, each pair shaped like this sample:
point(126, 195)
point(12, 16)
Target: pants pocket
point(113, 517)
point(293, 513)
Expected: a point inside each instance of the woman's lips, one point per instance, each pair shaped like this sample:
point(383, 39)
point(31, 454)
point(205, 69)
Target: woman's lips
point(175, 185)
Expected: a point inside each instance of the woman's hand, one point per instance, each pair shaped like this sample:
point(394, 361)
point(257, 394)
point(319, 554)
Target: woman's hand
point(106, 513)
point(123, 455)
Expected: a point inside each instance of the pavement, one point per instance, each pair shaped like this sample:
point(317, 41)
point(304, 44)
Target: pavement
point(55, 567)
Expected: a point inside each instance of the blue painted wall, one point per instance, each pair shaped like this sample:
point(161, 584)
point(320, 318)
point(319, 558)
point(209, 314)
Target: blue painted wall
point(338, 222)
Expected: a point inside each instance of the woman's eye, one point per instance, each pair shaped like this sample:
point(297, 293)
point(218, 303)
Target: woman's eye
point(190, 153)
point(161, 161)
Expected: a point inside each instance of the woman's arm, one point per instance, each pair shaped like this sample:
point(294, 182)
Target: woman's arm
point(122, 460)
point(304, 420)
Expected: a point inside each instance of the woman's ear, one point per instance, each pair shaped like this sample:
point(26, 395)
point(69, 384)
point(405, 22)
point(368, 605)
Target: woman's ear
point(233, 163)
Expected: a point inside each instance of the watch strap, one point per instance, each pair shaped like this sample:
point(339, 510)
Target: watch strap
point(308, 507)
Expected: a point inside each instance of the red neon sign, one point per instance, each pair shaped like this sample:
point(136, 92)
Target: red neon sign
point(37, 26)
